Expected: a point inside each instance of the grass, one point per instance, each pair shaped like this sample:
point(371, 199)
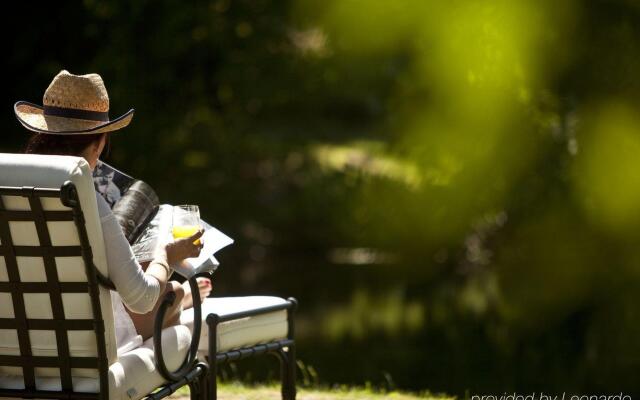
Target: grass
point(237, 391)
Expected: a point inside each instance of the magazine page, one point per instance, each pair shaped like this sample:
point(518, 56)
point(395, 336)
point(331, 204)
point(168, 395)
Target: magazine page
point(158, 231)
point(213, 240)
point(110, 183)
point(135, 208)
point(147, 225)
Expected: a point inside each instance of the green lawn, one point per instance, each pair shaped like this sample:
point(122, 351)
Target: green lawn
point(228, 391)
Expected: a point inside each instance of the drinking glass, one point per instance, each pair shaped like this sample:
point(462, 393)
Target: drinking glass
point(186, 221)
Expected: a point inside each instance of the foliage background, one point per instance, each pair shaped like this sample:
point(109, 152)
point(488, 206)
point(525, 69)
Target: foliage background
point(450, 189)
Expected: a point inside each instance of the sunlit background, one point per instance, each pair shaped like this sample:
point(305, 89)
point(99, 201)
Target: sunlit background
point(450, 188)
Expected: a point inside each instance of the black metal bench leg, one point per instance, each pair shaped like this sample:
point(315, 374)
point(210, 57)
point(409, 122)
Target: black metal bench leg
point(288, 372)
point(194, 390)
point(292, 372)
point(212, 384)
point(204, 386)
point(289, 356)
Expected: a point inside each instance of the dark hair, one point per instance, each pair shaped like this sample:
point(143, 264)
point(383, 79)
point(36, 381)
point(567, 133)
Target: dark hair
point(63, 145)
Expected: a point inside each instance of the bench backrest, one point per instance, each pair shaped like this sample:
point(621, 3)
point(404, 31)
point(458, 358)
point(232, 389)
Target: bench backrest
point(55, 319)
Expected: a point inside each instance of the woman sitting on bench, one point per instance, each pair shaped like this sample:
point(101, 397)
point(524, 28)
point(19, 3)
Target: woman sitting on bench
point(74, 121)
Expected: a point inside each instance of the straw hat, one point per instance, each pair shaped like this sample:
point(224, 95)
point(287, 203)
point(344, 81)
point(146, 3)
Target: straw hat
point(73, 104)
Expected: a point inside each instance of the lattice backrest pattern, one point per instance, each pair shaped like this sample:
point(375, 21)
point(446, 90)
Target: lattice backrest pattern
point(49, 326)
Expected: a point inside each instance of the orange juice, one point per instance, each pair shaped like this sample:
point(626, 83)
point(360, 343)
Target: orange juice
point(183, 231)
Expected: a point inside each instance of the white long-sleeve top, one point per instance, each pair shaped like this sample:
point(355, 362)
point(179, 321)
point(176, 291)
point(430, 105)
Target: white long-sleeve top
point(137, 290)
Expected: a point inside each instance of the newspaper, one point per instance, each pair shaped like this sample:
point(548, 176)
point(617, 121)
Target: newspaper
point(147, 224)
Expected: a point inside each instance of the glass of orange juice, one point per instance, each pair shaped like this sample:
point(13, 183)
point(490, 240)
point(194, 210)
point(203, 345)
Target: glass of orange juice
point(186, 221)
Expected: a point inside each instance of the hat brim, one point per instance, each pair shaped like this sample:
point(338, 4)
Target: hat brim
point(32, 117)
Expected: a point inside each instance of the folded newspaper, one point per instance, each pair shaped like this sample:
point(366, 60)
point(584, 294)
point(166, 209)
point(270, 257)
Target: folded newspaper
point(147, 224)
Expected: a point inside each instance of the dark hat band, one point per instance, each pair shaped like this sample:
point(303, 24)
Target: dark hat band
point(76, 114)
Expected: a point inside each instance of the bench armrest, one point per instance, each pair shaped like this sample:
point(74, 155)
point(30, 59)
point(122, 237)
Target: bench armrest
point(191, 357)
point(291, 304)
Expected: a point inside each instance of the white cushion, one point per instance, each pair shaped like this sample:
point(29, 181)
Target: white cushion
point(132, 377)
point(135, 375)
point(51, 172)
point(47, 171)
point(244, 331)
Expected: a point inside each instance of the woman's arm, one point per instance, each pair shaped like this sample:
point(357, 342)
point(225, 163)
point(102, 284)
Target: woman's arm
point(172, 253)
point(179, 249)
point(139, 290)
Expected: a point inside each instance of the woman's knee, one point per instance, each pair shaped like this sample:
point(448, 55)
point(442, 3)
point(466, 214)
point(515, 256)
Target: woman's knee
point(177, 288)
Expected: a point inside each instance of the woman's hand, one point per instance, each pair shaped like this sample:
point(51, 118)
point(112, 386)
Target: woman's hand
point(183, 248)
